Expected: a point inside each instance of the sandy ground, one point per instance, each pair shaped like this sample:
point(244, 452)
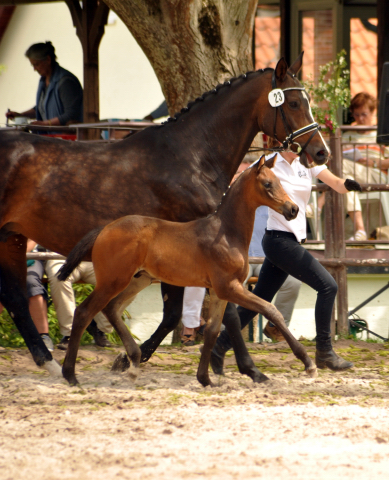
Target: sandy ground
point(167, 426)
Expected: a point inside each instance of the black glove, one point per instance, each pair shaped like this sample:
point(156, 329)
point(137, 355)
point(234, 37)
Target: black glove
point(352, 185)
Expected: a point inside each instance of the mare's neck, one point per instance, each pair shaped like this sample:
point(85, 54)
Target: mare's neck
point(220, 129)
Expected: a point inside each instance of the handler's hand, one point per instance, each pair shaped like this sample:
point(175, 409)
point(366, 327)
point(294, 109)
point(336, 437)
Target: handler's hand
point(352, 185)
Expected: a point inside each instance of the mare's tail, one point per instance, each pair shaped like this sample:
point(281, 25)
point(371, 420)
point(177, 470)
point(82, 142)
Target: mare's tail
point(78, 253)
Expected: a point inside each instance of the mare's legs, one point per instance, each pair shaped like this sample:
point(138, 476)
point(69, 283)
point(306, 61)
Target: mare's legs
point(172, 311)
point(216, 311)
point(13, 296)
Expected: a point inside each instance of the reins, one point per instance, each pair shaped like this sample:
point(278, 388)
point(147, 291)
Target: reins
point(276, 100)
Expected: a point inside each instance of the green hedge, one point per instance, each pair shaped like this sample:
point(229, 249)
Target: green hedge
point(10, 336)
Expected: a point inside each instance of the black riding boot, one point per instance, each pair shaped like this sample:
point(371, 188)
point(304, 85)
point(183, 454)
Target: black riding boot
point(329, 359)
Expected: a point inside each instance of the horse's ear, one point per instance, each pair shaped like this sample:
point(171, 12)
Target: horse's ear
point(261, 162)
point(295, 68)
point(281, 69)
point(270, 163)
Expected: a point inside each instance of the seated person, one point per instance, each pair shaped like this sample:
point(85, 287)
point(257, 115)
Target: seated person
point(62, 294)
point(191, 314)
point(37, 296)
point(355, 160)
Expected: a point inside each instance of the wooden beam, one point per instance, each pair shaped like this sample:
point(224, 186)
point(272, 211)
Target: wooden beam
point(5, 17)
point(90, 20)
point(285, 30)
point(383, 38)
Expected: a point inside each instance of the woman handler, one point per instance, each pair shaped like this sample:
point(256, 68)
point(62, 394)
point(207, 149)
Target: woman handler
point(286, 256)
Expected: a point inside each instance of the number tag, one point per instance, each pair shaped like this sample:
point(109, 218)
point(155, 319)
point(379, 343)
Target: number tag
point(276, 97)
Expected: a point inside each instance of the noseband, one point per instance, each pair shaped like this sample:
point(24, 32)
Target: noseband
point(290, 134)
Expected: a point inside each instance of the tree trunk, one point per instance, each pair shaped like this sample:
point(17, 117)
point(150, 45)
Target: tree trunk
point(192, 45)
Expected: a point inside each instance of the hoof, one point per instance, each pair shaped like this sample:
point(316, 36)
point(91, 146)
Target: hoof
point(53, 367)
point(311, 371)
point(259, 377)
point(145, 355)
point(121, 363)
point(205, 381)
point(133, 373)
point(73, 382)
point(70, 377)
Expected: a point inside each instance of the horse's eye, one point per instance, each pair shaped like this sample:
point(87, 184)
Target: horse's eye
point(293, 104)
point(267, 185)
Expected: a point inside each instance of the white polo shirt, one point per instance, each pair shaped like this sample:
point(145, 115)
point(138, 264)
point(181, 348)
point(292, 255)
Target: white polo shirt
point(297, 183)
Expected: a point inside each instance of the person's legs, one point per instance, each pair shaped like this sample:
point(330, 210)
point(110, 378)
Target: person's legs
point(191, 313)
point(285, 256)
point(285, 301)
point(87, 275)
point(287, 296)
point(297, 261)
point(269, 282)
point(357, 172)
point(63, 295)
point(38, 310)
point(37, 301)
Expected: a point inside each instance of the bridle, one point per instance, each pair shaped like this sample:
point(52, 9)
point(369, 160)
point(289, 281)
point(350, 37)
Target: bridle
point(290, 134)
point(276, 100)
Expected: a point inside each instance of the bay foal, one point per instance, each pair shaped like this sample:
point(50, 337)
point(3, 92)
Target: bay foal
point(209, 252)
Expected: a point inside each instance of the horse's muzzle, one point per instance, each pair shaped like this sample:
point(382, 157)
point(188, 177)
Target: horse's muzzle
point(290, 210)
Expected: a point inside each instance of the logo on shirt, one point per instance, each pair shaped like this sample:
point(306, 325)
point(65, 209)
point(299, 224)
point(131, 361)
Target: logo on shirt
point(302, 173)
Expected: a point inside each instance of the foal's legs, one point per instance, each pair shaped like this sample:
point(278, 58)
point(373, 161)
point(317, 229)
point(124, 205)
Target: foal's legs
point(244, 361)
point(14, 298)
point(113, 312)
point(172, 311)
point(216, 311)
point(238, 294)
point(108, 286)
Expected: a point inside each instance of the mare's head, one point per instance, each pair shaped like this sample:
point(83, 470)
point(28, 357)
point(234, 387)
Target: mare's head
point(289, 117)
point(268, 190)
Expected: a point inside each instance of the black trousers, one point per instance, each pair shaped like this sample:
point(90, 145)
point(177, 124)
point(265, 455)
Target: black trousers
point(285, 256)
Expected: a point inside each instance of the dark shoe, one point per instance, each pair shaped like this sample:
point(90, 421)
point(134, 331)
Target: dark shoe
point(188, 340)
point(64, 343)
point(48, 342)
point(272, 332)
point(99, 337)
point(329, 359)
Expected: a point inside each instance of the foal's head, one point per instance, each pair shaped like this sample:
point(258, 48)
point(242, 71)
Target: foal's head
point(269, 191)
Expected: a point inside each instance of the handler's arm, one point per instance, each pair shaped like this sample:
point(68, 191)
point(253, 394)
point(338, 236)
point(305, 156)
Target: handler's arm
point(338, 184)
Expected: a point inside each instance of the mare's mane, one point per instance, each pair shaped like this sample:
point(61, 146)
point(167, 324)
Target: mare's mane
point(231, 187)
point(205, 95)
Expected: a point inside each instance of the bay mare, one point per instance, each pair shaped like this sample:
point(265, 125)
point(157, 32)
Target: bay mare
point(209, 252)
point(54, 191)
